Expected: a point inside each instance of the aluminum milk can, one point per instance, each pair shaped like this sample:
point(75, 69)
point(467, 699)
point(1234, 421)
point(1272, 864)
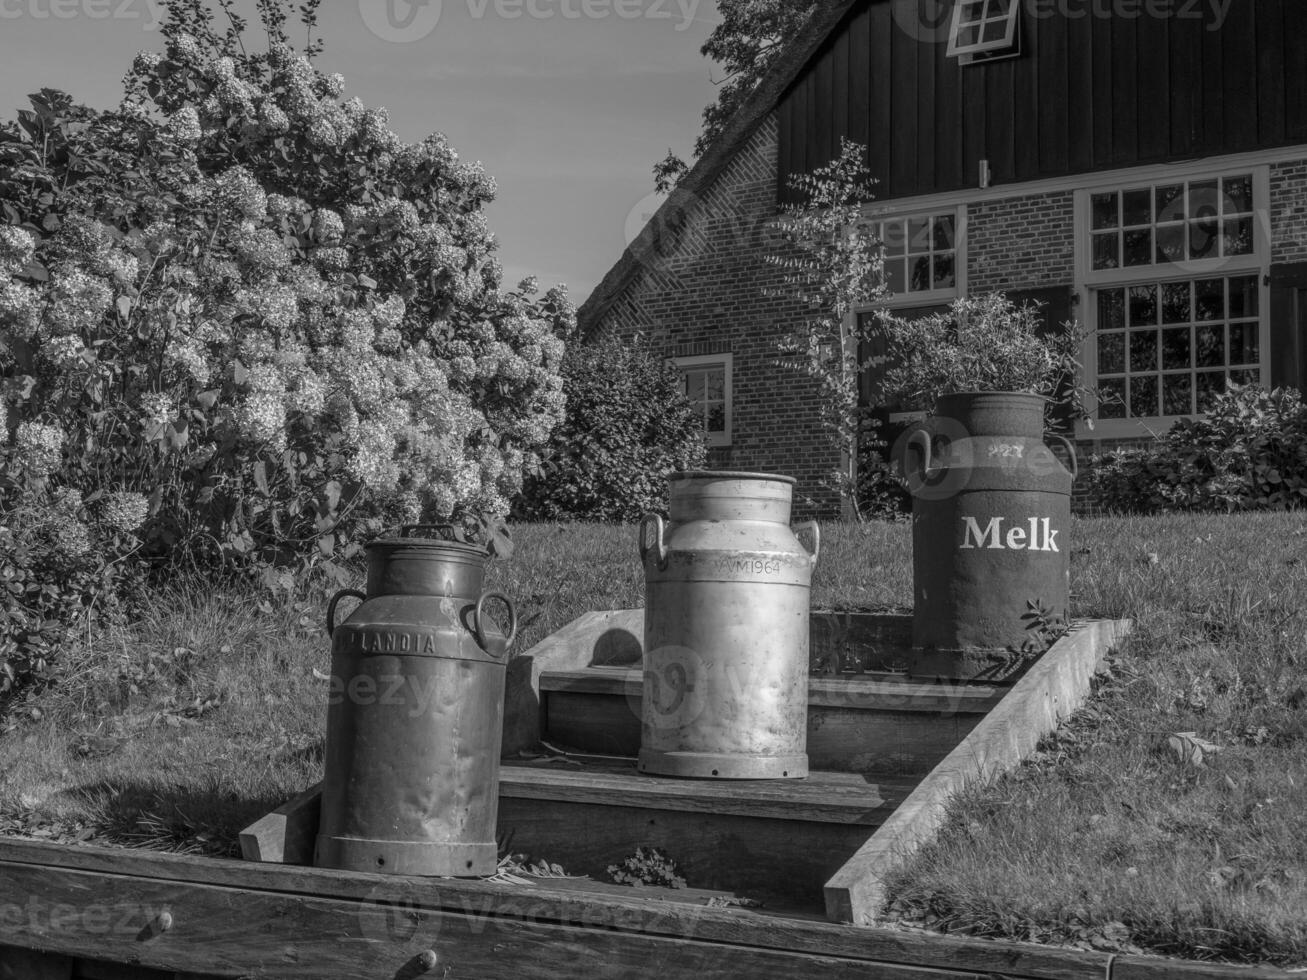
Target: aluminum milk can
point(415, 714)
point(991, 513)
point(725, 690)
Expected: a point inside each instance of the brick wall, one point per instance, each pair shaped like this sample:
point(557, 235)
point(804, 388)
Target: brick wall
point(1289, 212)
point(701, 291)
point(1021, 242)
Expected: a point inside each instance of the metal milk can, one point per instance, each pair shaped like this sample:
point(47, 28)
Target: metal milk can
point(991, 513)
point(415, 714)
point(725, 690)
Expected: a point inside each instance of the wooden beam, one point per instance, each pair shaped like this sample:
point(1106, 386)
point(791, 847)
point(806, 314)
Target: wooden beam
point(17, 963)
point(106, 868)
point(1052, 689)
point(286, 835)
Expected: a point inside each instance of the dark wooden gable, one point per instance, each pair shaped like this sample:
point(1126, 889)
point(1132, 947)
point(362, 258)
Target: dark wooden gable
point(1086, 93)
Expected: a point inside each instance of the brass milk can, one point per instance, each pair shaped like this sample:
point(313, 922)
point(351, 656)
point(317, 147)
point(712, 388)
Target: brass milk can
point(415, 715)
point(725, 690)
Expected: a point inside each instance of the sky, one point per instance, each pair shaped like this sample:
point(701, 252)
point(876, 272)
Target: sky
point(568, 103)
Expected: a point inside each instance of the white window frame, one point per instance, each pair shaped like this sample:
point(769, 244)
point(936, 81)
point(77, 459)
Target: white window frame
point(726, 361)
point(930, 297)
point(980, 50)
point(1089, 281)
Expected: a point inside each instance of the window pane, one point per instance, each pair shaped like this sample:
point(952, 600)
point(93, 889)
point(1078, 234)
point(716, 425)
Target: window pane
point(894, 237)
point(920, 281)
point(1143, 396)
point(1244, 297)
point(996, 30)
point(1209, 299)
point(1237, 194)
point(1210, 384)
point(971, 11)
point(1238, 238)
point(1246, 377)
point(968, 36)
point(919, 235)
point(1137, 207)
point(717, 418)
point(944, 232)
point(1111, 398)
point(894, 277)
point(1203, 239)
point(1245, 345)
point(1143, 351)
point(1139, 247)
point(1177, 394)
point(1111, 353)
point(1209, 344)
point(715, 386)
point(1175, 302)
point(944, 271)
point(1104, 208)
point(1204, 200)
point(1106, 253)
point(1170, 202)
point(1111, 309)
point(1175, 349)
point(1143, 305)
point(1170, 243)
point(696, 383)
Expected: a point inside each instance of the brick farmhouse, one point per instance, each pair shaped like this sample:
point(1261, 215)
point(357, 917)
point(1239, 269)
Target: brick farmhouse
point(1137, 165)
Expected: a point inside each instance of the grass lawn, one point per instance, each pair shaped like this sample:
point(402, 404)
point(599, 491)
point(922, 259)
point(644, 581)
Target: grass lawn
point(180, 730)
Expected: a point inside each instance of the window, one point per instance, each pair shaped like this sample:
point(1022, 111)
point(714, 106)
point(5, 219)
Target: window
point(1166, 349)
point(708, 387)
point(982, 30)
point(1175, 277)
point(1185, 221)
point(920, 255)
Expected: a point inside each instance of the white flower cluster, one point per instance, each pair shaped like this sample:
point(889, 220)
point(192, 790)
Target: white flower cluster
point(157, 407)
point(184, 125)
point(124, 511)
point(40, 447)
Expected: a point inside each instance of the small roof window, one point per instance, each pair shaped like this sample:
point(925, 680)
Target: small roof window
point(983, 30)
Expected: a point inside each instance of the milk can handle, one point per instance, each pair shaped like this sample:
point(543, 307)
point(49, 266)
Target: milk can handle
point(805, 528)
point(478, 615)
point(331, 606)
point(919, 439)
point(1072, 464)
point(661, 545)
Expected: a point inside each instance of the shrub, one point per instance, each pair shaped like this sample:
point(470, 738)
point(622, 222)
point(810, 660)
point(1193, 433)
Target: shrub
point(240, 307)
point(628, 424)
point(1248, 452)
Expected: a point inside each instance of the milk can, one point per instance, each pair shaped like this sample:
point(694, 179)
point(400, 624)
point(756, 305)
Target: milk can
point(415, 713)
point(725, 690)
point(990, 516)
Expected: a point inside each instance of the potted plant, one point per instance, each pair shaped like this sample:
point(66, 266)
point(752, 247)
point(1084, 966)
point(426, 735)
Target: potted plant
point(991, 501)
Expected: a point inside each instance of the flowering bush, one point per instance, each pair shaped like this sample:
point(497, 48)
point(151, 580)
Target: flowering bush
point(982, 343)
point(252, 326)
point(1248, 452)
point(628, 425)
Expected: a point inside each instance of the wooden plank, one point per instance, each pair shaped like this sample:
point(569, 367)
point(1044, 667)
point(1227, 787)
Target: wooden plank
point(107, 866)
point(288, 834)
point(1104, 55)
point(225, 932)
point(882, 96)
point(1054, 109)
point(879, 743)
point(925, 102)
point(1156, 968)
point(101, 970)
point(859, 78)
point(593, 638)
point(1026, 96)
point(840, 60)
point(1049, 691)
point(824, 797)
point(1271, 79)
point(869, 692)
point(761, 858)
point(1125, 92)
point(1210, 73)
point(1152, 97)
point(17, 963)
point(1186, 49)
point(1239, 56)
point(1080, 93)
point(1295, 79)
point(903, 95)
point(950, 173)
